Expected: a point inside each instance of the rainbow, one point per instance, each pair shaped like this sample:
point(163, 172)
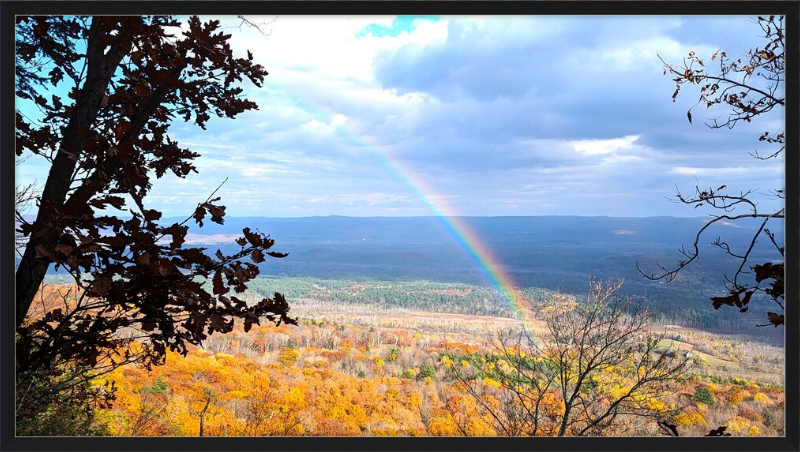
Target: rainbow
point(457, 229)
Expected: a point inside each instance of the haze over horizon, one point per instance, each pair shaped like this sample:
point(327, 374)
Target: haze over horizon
point(463, 216)
point(469, 116)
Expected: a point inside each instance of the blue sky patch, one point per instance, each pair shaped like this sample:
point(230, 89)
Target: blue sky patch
point(399, 25)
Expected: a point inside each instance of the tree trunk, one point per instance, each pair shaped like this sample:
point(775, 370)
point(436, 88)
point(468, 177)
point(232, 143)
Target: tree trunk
point(100, 68)
point(203, 415)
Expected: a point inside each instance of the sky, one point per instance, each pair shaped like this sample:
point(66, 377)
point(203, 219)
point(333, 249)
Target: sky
point(475, 116)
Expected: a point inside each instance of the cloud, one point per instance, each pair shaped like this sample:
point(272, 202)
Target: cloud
point(512, 115)
point(517, 115)
point(482, 59)
point(611, 146)
point(684, 170)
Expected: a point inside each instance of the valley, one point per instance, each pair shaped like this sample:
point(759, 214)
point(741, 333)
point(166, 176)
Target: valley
point(358, 368)
point(398, 334)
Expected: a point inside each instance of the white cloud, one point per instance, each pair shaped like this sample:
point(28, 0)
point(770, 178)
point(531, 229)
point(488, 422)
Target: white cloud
point(327, 46)
point(338, 120)
point(696, 171)
point(316, 126)
point(593, 147)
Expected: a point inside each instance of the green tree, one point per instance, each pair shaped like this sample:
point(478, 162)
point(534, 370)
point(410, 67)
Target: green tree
point(126, 79)
point(748, 87)
point(426, 370)
point(704, 395)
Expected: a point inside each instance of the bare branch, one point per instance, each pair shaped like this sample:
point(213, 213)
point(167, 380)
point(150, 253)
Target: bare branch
point(746, 98)
point(260, 26)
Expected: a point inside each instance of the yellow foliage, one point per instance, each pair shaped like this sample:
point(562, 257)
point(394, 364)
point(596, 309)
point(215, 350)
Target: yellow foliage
point(735, 398)
point(490, 382)
point(236, 394)
point(650, 403)
point(443, 425)
point(738, 424)
point(288, 356)
point(754, 431)
point(762, 399)
point(477, 427)
point(414, 400)
point(178, 414)
point(293, 399)
point(689, 418)
point(619, 391)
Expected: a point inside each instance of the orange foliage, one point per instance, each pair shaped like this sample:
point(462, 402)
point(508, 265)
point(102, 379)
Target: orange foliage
point(315, 390)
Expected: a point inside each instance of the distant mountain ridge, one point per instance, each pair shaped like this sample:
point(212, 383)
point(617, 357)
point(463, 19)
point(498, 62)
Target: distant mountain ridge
point(580, 229)
point(548, 252)
point(551, 252)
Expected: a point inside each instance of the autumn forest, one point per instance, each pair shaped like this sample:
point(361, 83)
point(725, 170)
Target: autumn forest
point(351, 368)
point(144, 309)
